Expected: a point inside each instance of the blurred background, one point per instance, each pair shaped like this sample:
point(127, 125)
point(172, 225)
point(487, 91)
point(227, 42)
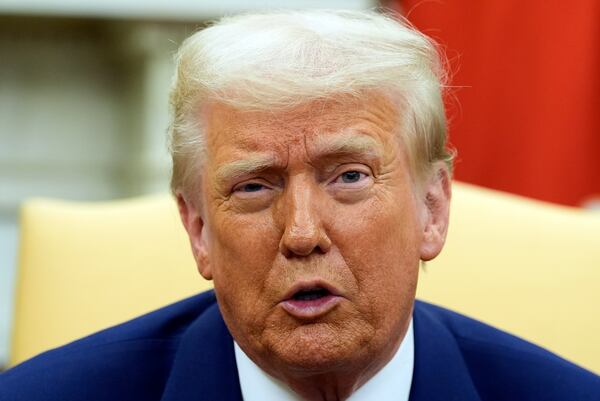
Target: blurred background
point(84, 89)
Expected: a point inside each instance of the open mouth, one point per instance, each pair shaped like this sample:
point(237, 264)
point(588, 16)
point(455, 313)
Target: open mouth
point(310, 300)
point(311, 294)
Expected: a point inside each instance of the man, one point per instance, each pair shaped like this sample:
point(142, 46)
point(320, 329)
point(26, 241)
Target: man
point(312, 176)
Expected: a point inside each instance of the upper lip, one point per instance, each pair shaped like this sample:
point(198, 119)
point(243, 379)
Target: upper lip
point(307, 285)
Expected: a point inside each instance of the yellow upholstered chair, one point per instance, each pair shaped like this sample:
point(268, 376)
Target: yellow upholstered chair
point(528, 267)
point(524, 266)
point(86, 266)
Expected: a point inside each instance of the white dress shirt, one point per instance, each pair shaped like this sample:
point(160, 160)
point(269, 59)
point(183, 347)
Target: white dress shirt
point(392, 382)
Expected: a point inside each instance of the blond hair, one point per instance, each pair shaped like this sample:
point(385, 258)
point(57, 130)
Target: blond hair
point(277, 60)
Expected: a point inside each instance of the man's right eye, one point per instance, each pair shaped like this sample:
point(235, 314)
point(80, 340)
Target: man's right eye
point(249, 187)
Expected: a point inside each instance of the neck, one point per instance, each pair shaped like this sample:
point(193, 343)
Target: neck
point(336, 385)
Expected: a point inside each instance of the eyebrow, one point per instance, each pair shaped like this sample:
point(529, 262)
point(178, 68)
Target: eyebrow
point(349, 144)
point(248, 165)
point(327, 146)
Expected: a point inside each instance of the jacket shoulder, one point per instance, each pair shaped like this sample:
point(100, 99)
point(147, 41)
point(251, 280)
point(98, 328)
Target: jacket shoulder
point(132, 359)
point(505, 367)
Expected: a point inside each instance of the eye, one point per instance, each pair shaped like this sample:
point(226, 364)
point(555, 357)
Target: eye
point(352, 183)
point(249, 187)
point(350, 177)
point(252, 195)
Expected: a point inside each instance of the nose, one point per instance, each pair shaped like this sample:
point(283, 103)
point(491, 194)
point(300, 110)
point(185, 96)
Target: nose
point(304, 232)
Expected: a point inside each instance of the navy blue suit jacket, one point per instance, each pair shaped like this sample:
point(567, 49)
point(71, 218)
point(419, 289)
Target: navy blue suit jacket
point(184, 352)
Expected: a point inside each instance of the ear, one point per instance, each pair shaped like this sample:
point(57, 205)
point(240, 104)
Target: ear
point(194, 225)
point(436, 210)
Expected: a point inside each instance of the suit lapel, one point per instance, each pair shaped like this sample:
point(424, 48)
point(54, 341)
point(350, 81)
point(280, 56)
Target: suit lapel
point(204, 367)
point(440, 373)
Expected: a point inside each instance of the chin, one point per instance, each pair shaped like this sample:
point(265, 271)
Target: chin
point(321, 348)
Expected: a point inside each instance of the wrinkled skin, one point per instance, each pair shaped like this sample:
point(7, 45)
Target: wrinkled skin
point(305, 209)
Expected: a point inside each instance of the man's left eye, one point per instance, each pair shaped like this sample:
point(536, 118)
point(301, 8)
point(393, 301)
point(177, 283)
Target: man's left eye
point(350, 177)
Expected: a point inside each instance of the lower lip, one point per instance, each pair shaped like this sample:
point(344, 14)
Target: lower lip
point(310, 309)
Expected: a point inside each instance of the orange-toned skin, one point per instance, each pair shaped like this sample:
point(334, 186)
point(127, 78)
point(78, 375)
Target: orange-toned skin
point(306, 216)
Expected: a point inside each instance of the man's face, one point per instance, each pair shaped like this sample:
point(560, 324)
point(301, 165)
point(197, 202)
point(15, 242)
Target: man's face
point(310, 227)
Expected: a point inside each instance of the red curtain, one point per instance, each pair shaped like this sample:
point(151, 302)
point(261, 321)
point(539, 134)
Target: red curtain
point(525, 110)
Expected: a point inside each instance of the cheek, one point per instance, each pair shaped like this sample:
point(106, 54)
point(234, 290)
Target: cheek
point(244, 237)
point(380, 243)
point(241, 253)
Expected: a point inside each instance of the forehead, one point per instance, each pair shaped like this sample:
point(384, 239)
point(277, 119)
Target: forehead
point(232, 133)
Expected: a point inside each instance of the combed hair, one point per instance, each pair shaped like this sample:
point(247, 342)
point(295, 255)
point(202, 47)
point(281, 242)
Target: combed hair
point(281, 59)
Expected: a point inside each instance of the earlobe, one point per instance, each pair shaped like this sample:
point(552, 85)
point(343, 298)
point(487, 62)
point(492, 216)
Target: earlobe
point(196, 230)
point(436, 201)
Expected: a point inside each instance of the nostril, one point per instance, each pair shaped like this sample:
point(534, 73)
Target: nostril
point(299, 243)
point(295, 242)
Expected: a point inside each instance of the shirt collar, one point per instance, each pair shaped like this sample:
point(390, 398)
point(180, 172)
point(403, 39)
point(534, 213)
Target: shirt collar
point(392, 382)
